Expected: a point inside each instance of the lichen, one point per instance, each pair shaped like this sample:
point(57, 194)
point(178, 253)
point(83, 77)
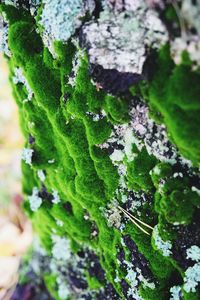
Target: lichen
point(164, 246)
point(27, 155)
point(34, 200)
point(175, 293)
point(60, 19)
point(193, 253)
point(111, 45)
point(4, 37)
point(192, 278)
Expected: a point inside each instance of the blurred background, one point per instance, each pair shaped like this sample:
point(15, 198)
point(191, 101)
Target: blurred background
point(15, 230)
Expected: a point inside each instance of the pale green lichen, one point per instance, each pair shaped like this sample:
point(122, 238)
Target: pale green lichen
point(35, 200)
point(164, 246)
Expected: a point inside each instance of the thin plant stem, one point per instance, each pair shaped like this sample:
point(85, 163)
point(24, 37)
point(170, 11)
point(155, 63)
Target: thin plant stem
point(138, 220)
point(133, 221)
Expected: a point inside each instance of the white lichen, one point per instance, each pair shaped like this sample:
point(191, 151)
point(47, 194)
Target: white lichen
point(27, 155)
point(154, 136)
point(4, 37)
point(196, 190)
point(63, 290)
point(192, 278)
point(96, 117)
point(164, 246)
point(175, 293)
point(41, 175)
point(56, 197)
point(117, 155)
point(34, 4)
point(61, 248)
point(51, 161)
point(190, 45)
point(59, 223)
point(60, 19)
point(193, 253)
point(134, 277)
point(34, 200)
point(119, 41)
point(156, 170)
point(112, 214)
point(19, 78)
point(189, 18)
point(190, 11)
point(123, 136)
point(178, 174)
point(76, 63)
point(11, 2)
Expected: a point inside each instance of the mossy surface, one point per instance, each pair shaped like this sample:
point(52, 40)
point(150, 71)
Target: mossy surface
point(61, 118)
point(174, 92)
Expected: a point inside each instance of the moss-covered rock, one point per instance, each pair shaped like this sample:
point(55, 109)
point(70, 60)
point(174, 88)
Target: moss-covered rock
point(110, 179)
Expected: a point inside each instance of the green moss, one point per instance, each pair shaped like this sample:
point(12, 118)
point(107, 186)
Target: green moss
point(177, 207)
point(173, 198)
point(48, 58)
point(160, 266)
point(152, 294)
point(191, 296)
point(160, 171)
point(93, 282)
point(67, 133)
point(73, 223)
point(97, 132)
point(105, 170)
point(171, 94)
point(116, 109)
point(23, 41)
point(43, 223)
point(13, 14)
point(65, 53)
point(138, 171)
point(50, 282)
point(27, 184)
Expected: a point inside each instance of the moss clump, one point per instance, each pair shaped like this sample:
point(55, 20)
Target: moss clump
point(174, 198)
point(138, 171)
point(174, 92)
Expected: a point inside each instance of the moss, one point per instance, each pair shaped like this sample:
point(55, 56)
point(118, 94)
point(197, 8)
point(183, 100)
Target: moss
point(27, 42)
point(64, 53)
point(160, 171)
point(93, 282)
point(105, 170)
point(177, 207)
point(28, 173)
point(48, 58)
point(167, 231)
point(149, 294)
point(190, 296)
point(74, 224)
point(171, 94)
point(116, 109)
point(138, 171)
point(50, 282)
point(69, 122)
point(177, 201)
point(160, 266)
point(173, 102)
point(97, 132)
point(13, 14)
